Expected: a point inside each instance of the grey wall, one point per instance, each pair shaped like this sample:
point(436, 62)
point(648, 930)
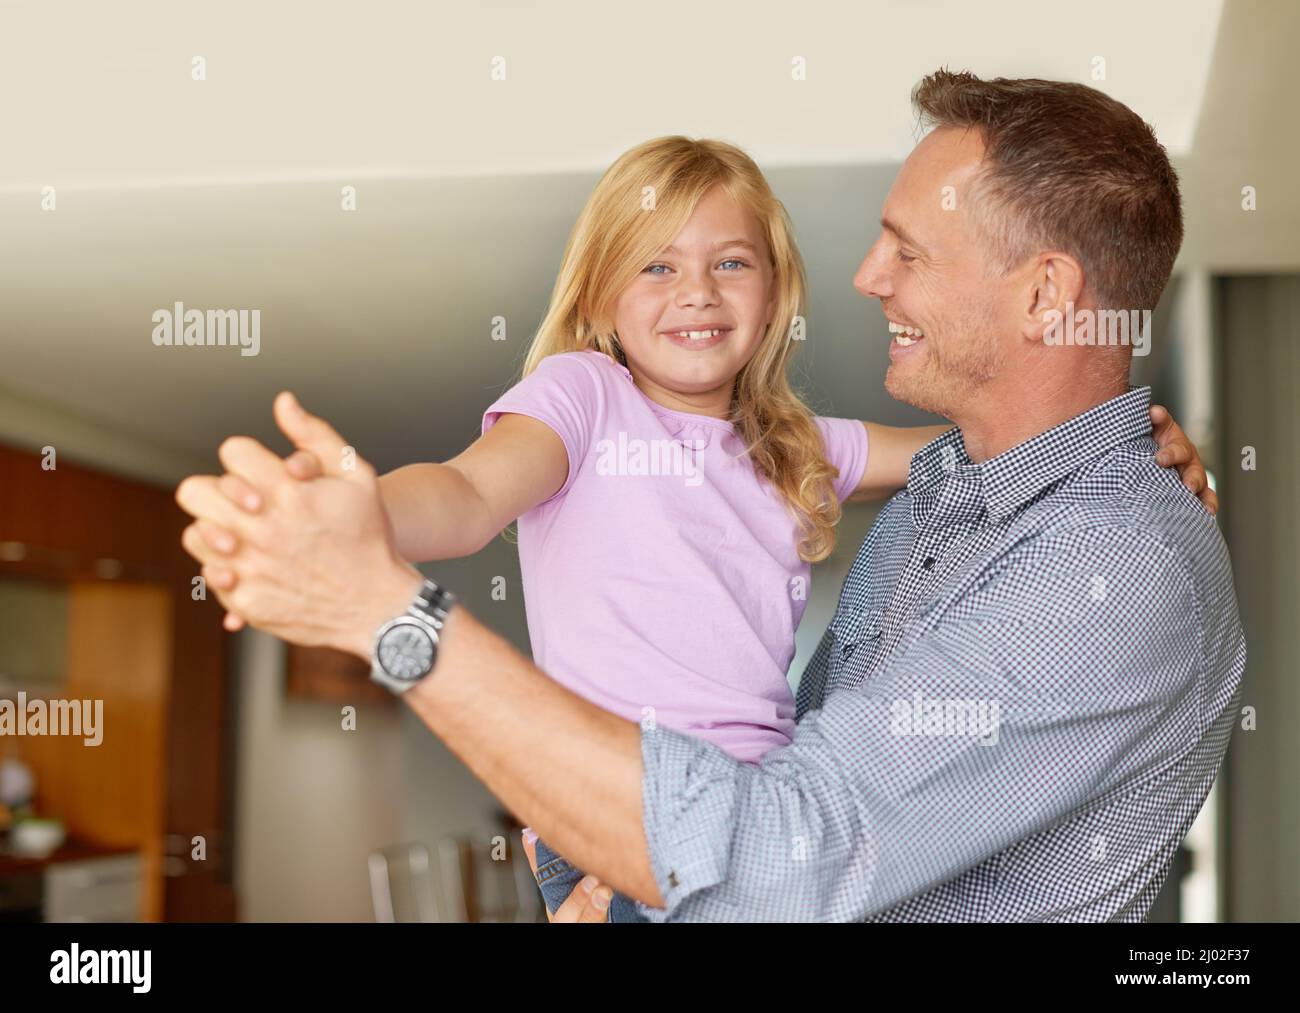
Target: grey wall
point(1259, 328)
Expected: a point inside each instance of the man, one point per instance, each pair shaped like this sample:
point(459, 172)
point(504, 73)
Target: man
point(1029, 683)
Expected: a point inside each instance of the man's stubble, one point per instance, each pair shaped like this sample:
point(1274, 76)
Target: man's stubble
point(956, 369)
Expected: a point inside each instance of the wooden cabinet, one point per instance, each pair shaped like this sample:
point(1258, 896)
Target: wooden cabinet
point(157, 658)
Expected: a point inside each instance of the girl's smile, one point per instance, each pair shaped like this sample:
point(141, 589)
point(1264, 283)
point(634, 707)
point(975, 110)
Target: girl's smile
point(698, 337)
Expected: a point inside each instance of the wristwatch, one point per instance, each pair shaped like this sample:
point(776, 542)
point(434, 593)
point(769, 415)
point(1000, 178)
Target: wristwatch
point(407, 647)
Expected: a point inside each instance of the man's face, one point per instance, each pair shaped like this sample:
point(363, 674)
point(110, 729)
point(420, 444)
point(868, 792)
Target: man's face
point(930, 271)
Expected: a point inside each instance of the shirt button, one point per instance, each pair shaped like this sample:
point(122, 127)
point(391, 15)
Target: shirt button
point(928, 562)
point(672, 879)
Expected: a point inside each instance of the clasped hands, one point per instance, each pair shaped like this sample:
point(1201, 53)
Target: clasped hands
point(300, 548)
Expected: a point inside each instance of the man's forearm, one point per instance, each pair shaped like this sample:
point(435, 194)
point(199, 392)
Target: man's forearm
point(567, 768)
point(564, 766)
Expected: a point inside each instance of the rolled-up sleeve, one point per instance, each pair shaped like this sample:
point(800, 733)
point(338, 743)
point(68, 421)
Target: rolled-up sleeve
point(1070, 673)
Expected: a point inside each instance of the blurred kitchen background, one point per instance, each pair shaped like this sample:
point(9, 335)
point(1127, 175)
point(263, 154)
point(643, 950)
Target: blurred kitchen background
point(156, 153)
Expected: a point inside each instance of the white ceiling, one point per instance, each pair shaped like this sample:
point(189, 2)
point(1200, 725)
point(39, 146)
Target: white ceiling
point(324, 90)
point(225, 192)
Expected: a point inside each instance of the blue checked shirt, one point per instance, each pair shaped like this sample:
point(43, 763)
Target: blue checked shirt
point(1016, 713)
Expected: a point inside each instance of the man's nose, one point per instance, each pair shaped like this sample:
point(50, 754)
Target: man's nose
point(875, 277)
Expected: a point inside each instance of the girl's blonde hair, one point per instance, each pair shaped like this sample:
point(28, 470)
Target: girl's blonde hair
point(639, 206)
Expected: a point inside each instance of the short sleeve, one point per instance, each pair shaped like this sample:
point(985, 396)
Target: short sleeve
point(564, 393)
point(846, 449)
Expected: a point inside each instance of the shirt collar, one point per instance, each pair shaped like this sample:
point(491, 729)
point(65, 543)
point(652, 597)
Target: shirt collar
point(1017, 475)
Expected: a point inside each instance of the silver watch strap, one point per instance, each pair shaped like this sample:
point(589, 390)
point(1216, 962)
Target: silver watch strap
point(432, 603)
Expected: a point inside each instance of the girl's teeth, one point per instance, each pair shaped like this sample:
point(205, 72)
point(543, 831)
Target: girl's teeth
point(697, 335)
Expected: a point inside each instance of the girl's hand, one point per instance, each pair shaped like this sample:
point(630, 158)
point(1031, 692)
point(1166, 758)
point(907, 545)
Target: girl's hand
point(301, 464)
point(303, 534)
point(1176, 450)
point(589, 901)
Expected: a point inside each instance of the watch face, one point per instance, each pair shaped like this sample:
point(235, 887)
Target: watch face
point(406, 652)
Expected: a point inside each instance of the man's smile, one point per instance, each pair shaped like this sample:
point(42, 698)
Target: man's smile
point(905, 339)
point(905, 335)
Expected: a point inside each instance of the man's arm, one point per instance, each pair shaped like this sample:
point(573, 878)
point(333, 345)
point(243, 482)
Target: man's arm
point(1079, 662)
point(1065, 697)
point(569, 769)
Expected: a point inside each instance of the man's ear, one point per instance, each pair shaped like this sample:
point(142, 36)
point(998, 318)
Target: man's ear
point(1053, 291)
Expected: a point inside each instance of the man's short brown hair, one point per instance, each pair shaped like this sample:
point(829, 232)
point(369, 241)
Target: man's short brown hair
point(1066, 168)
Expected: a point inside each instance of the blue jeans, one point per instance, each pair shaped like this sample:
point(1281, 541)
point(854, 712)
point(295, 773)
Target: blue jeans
point(556, 878)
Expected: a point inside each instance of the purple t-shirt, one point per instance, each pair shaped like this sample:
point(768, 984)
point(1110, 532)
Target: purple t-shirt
point(662, 581)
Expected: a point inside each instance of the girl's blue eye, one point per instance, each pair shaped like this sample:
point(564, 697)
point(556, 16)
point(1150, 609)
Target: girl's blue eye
point(729, 260)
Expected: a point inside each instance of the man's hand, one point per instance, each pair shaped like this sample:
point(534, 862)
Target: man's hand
point(1177, 450)
point(301, 464)
point(312, 562)
point(589, 901)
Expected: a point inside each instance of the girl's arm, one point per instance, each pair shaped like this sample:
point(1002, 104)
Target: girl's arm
point(444, 511)
point(890, 450)
point(889, 453)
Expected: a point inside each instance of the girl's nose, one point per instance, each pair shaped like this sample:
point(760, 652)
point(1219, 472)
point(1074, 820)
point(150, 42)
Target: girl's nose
point(697, 288)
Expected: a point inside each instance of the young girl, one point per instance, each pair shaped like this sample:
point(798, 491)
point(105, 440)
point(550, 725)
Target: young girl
point(671, 489)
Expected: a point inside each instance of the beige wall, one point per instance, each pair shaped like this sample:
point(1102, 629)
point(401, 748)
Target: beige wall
point(311, 800)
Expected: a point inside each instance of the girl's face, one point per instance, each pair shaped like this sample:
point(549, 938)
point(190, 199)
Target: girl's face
point(716, 276)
